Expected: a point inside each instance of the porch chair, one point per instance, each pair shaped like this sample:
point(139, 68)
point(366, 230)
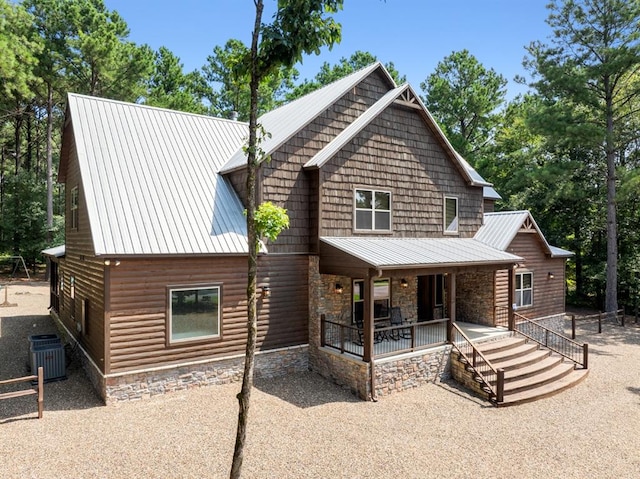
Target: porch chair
point(398, 320)
point(360, 326)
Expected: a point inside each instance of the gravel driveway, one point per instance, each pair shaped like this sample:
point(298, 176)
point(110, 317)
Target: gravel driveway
point(306, 427)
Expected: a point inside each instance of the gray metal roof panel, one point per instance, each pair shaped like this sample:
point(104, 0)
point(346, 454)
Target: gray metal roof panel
point(560, 253)
point(500, 228)
point(282, 123)
point(56, 251)
point(150, 181)
point(389, 253)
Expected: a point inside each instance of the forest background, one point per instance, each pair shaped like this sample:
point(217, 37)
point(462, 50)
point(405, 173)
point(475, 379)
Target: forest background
point(558, 150)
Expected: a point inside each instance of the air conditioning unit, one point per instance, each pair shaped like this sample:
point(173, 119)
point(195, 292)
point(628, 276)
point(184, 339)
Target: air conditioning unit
point(51, 358)
point(37, 340)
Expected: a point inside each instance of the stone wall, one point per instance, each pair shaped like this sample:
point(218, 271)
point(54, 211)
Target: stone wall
point(144, 384)
point(465, 378)
point(348, 372)
point(474, 298)
point(411, 370)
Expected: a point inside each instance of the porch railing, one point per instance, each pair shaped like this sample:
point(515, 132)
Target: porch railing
point(491, 379)
point(573, 351)
point(388, 340)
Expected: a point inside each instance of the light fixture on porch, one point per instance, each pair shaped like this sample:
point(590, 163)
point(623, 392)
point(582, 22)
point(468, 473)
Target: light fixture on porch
point(338, 289)
point(550, 275)
point(266, 292)
point(404, 283)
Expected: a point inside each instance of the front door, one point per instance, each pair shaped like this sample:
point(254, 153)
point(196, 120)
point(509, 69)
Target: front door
point(430, 297)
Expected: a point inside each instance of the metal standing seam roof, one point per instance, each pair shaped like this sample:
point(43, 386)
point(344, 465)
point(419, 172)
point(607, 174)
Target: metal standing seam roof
point(395, 253)
point(150, 181)
point(500, 228)
point(285, 121)
point(56, 251)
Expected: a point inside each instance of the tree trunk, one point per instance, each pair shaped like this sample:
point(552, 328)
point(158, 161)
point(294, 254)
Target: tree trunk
point(252, 317)
point(49, 164)
point(611, 295)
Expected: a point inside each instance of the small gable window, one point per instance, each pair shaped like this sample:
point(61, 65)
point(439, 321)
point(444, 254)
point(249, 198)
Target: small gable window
point(450, 214)
point(372, 210)
point(524, 290)
point(74, 207)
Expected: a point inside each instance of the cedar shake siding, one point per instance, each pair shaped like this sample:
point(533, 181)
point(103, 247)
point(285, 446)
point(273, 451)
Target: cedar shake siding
point(548, 297)
point(287, 184)
point(87, 271)
point(397, 152)
point(139, 296)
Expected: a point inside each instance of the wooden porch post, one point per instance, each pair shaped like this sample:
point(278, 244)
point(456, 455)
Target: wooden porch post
point(368, 318)
point(451, 300)
point(512, 297)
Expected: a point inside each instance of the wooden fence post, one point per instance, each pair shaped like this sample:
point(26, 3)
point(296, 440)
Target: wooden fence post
point(40, 391)
point(573, 326)
point(599, 323)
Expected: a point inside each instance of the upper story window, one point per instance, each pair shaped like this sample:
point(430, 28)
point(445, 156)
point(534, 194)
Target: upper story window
point(450, 214)
point(373, 210)
point(524, 290)
point(74, 207)
point(194, 313)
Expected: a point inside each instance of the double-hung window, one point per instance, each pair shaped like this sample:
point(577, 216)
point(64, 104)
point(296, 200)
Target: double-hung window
point(450, 214)
point(193, 313)
point(524, 290)
point(372, 210)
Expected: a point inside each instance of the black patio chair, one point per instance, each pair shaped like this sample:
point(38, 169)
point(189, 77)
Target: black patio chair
point(360, 325)
point(398, 320)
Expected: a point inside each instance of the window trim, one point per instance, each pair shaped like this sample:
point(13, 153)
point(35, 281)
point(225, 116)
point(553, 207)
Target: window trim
point(522, 289)
point(444, 215)
point(170, 342)
point(75, 200)
point(373, 210)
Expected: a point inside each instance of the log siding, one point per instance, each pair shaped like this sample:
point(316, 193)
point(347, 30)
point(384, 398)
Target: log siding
point(138, 307)
point(87, 270)
point(548, 297)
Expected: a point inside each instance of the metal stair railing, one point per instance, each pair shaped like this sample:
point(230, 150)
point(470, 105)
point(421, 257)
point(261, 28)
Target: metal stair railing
point(491, 379)
point(552, 340)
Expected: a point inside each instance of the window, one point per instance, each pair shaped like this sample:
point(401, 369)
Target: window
point(381, 299)
point(450, 214)
point(373, 210)
point(524, 290)
point(194, 313)
point(381, 296)
point(74, 207)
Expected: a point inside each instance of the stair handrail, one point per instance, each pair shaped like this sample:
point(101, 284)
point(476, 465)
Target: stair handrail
point(490, 372)
point(564, 346)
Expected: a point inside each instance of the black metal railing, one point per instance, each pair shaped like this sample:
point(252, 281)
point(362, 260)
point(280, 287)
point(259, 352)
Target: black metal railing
point(388, 340)
point(490, 378)
point(566, 347)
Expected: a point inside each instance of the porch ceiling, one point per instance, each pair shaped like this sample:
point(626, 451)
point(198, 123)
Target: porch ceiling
point(338, 254)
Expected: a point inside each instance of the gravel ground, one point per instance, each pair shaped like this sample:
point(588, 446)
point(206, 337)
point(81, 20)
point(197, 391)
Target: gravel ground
point(305, 427)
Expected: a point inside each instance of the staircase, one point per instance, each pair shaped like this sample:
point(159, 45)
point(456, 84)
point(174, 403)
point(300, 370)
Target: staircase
point(531, 372)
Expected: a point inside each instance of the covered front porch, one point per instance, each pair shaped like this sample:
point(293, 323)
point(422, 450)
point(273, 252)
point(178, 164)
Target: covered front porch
point(386, 301)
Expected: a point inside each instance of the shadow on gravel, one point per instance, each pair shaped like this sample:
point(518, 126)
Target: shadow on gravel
point(304, 390)
point(74, 392)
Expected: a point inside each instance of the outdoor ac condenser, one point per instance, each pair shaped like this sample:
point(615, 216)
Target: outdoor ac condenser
point(51, 358)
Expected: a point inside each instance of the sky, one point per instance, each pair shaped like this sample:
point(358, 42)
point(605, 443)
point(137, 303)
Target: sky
point(413, 34)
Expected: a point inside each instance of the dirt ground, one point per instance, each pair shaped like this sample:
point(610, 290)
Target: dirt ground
point(305, 427)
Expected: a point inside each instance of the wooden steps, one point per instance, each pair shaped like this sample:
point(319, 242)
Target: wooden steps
point(531, 372)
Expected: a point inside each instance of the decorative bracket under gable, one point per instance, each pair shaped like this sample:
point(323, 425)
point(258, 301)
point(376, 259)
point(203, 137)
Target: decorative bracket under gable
point(408, 99)
point(528, 226)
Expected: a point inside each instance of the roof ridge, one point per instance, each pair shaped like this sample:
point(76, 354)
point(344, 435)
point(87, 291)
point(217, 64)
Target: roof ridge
point(151, 107)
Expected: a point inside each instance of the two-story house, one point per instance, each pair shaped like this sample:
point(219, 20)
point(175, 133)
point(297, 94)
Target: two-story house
point(392, 240)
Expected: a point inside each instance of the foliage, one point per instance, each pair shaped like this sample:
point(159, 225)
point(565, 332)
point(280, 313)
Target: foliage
point(463, 96)
point(343, 68)
point(587, 78)
point(270, 220)
point(227, 69)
